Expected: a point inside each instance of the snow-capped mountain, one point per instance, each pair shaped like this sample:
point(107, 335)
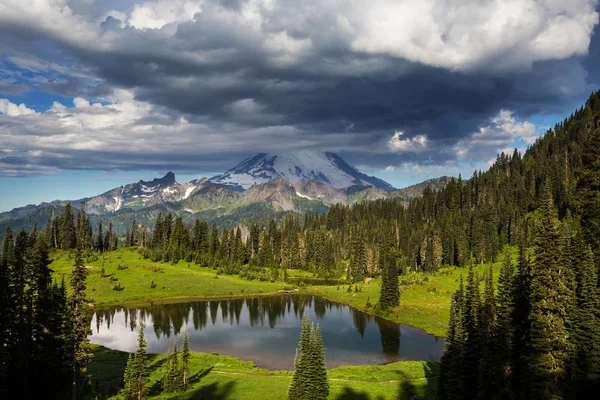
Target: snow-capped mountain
point(324, 167)
point(141, 194)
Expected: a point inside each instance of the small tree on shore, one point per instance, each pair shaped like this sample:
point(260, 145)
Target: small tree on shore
point(185, 356)
point(310, 372)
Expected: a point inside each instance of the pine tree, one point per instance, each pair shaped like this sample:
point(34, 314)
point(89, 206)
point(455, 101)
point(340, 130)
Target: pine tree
point(450, 384)
point(185, 356)
point(129, 379)
point(486, 328)
point(503, 332)
point(472, 350)
point(81, 326)
point(297, 389)
point(521, 344)
point(390, 294)
point(140, 367)
point(100, 239)
point(320, 389)
point(67, 234)
point(550, 295)
point(587, 330)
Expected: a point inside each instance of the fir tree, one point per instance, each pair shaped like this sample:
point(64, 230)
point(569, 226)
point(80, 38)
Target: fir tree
point(129, 379)
point(80, 328)
point(390, 294)
point(472, 350)
point(67, 234)
point(450, 384)
point(320, 387)
point(487, 324)
point(550, 295)
point(140, 367)
point(185, 356)
point(503, 332)
point(587, 330)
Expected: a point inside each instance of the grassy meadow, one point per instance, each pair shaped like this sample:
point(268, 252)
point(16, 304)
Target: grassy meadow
point(218, 377)
point(424, 303)
point(135, 276)
point(424, 298)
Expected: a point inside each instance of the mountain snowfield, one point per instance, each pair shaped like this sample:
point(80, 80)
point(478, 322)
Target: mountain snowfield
point(324, 167)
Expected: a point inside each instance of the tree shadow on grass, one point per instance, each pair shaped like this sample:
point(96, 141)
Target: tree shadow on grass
point(411, 387)
point(350, 394)
point(214, 391)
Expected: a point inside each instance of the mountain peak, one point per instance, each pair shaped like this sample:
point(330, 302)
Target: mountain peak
point(326, 167)
point(167, 180)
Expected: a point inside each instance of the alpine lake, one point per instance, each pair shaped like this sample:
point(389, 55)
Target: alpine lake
point(265, 330)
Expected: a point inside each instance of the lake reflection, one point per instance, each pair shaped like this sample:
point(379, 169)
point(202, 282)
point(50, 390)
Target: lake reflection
point(265, 330)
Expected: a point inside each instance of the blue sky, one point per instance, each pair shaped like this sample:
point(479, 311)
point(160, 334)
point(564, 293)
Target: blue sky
point(95, 94)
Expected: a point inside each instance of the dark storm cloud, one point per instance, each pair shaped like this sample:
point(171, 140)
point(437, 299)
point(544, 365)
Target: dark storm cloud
point(291, 77)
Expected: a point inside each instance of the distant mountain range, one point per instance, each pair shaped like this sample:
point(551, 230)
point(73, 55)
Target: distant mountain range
point(262, 186)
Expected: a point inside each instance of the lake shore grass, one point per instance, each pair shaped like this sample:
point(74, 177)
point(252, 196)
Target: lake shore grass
point(216, 376)
point(424, 299)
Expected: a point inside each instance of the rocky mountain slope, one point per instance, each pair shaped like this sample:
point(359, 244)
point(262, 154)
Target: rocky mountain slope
point(260, 187)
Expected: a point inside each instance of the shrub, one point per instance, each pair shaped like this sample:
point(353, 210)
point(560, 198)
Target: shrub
point(118, 287)
point(122, 267)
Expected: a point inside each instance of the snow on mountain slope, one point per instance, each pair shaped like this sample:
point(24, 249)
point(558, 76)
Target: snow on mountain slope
point(141, 194)
point(325, 167)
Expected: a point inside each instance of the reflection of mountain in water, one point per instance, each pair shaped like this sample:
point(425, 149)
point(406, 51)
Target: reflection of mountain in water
point(169, 319)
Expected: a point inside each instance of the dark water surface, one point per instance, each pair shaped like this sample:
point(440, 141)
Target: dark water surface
point(265, 330)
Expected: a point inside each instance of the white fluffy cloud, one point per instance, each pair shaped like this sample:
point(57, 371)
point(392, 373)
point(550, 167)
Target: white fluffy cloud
point(454, 34)
point(409, 145)
point(156, 14)
point(12, 110)
point(122, 132)
point(503, 134)
point(464, 34)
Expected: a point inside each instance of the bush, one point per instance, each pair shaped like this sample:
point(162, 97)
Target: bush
point(118, 287)
point(122, 267)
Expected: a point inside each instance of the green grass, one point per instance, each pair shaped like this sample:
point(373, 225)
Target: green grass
point(424, 298)
point(173, 282)
point(222, 377)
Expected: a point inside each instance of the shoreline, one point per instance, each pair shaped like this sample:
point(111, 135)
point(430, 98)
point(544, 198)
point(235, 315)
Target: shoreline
point(183, 299)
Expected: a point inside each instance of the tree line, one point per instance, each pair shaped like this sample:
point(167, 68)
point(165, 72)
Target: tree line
point(44, 325)
point(537, 334)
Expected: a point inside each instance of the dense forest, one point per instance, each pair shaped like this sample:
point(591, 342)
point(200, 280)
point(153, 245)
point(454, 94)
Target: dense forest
point(535, 335)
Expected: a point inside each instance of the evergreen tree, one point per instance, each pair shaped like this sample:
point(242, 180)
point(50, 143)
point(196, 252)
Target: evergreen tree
point(129, 379)
point(587, 330)
point(488, 367)
point(67, 234)
point(450, 384)
point(320, 388)
point(503, 332)
point(80, 326)
point(390, 294)
point(172, 376)
point(297, 389)
point(185, 356)
point(140, 367)
point(521, 344)
point(550, 295)
point(472, 349)
point(100, 238)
